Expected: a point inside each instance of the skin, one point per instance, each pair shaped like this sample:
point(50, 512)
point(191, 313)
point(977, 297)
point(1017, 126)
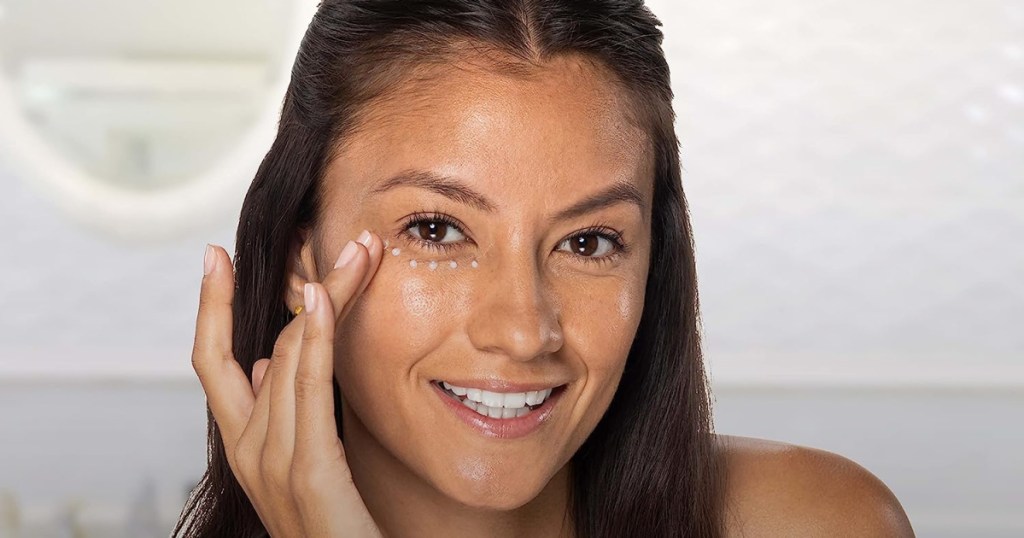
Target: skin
point(533, 310)
point(778, 489)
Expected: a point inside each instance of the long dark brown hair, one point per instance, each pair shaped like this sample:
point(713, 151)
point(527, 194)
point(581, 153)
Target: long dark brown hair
point(650, 467)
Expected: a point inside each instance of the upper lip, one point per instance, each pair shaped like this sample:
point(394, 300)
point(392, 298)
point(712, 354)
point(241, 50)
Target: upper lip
point(500, 385)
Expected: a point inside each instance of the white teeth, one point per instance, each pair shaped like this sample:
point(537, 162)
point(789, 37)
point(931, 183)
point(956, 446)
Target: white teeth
point(500, 399)
point(515, 399)
point(499, 404)
point(493, 399)
point(495, 412)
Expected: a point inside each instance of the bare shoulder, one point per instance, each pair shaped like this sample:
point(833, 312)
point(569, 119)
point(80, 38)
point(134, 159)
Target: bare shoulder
point(779, 489)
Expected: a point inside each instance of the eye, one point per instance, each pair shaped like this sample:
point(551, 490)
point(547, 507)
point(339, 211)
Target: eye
point(590, 244)
point(430, 230)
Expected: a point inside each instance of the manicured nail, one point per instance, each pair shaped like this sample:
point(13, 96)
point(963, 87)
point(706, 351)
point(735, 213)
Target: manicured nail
point(310, 294)
point(364, 238)
point(209, 259)
point(347, 254)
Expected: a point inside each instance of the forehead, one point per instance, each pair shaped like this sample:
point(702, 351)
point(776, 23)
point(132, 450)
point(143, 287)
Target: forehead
point(555, 135)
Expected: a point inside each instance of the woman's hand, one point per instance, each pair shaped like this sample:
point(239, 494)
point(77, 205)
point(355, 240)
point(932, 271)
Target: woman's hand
point(279, 432)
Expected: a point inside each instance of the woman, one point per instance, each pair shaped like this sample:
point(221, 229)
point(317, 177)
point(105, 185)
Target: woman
point(510, 347)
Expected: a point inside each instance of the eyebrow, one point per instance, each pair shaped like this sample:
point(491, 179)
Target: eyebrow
point(446, 186)
point(457, 190)
point(617, 193)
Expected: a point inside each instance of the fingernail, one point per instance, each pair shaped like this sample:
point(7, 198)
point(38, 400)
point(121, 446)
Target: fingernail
point(347, 254)
point(311, 298)
point(208, 260)
point(364, 238)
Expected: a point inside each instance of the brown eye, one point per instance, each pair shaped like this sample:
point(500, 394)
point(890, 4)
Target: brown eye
point(584, 244)
point(433, 232)
point(587, 245)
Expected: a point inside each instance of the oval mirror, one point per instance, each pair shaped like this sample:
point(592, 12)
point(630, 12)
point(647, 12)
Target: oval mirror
point(144, 118)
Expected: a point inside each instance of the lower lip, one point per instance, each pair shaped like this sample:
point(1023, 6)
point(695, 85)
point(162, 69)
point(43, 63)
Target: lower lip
point(502, 428)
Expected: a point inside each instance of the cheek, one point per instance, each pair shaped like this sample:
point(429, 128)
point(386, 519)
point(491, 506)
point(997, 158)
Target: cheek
point(601, 323)
point(401, 317)
point(603, 315)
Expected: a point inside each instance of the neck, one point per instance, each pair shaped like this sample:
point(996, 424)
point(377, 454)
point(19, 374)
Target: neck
point(404, 505)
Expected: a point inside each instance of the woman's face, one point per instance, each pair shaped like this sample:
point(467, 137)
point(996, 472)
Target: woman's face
point(507, 286)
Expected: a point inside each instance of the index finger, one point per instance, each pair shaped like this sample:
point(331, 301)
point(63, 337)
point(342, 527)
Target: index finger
point(314, 378)
point(341, 296)
point(227, 388)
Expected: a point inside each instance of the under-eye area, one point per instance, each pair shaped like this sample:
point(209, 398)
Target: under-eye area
point(429, 238)
point(433, 264)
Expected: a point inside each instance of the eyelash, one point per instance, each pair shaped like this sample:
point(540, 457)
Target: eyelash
point(420, 218)
point(601, 230)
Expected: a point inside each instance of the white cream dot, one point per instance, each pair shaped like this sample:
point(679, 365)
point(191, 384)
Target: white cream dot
point(412, 263)
point(453, 264)
point(474, 263)
point(433, 265)
point(395, 251)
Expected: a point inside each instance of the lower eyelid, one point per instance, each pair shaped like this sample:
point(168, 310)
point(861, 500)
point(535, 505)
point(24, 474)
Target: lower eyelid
point(428, 245)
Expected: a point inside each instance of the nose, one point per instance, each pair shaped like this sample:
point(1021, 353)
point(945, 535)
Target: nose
point(515, 315)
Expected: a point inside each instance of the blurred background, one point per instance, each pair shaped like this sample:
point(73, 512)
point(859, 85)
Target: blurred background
point(855, 173)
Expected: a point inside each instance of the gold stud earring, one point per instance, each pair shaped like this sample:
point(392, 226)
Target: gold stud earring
point(298, 310)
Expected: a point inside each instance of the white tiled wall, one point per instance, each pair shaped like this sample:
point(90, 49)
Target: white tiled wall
point(856, 175)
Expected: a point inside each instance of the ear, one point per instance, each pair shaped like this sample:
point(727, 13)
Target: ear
point(301, 268)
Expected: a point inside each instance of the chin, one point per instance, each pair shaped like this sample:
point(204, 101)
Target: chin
point(498, 501)
point(482, 488)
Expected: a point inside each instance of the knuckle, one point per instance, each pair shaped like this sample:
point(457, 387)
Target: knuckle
point(202, 366)
point(304, 484)
point(281, 349)
point(198, 365)
point(278, 481)
point(206, 297)
point(275, 474)
point(273, 368)
point(311, 332)
point(305, 387)
point(309, 484)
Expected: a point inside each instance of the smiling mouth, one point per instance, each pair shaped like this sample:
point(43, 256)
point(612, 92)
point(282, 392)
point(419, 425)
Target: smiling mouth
point(498, 404)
